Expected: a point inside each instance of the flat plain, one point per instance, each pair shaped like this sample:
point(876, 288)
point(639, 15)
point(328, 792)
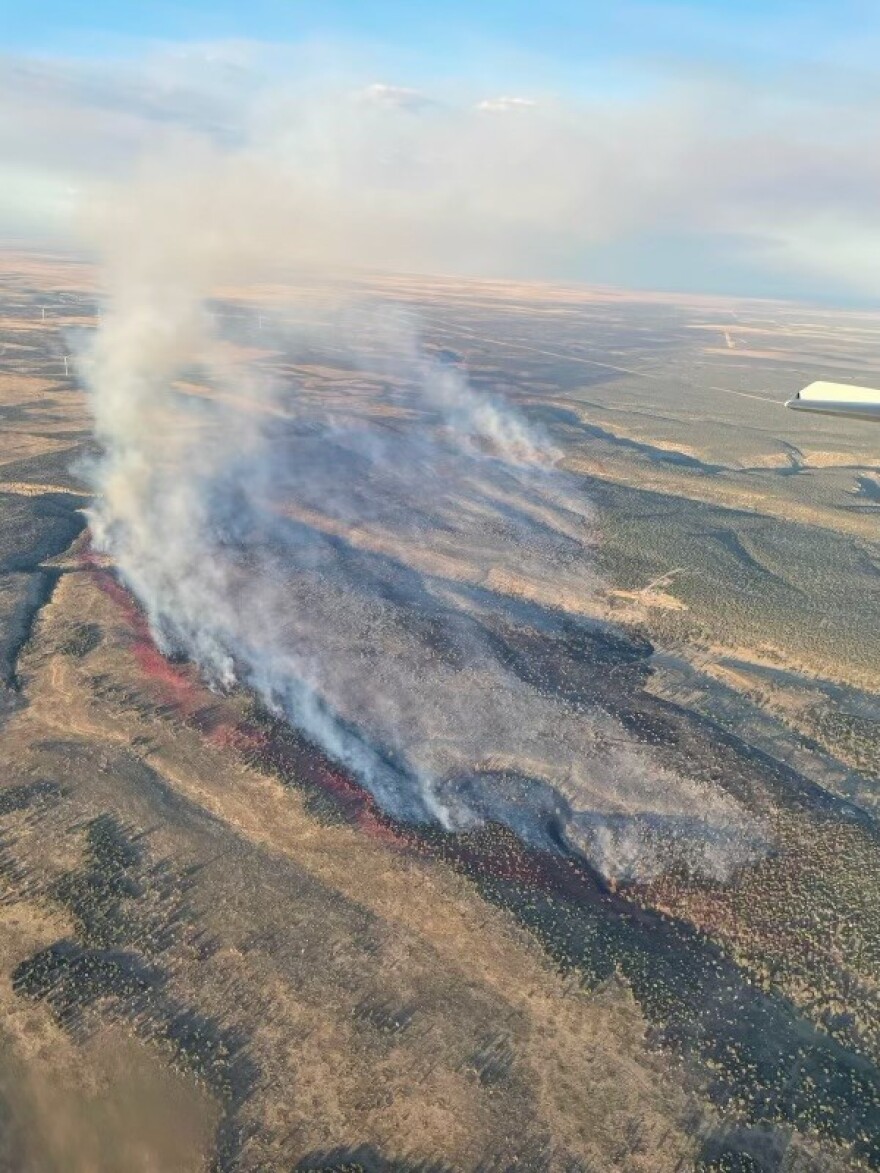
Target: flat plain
point(219, 951)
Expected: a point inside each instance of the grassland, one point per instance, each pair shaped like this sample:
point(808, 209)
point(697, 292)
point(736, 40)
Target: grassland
point(217, 950)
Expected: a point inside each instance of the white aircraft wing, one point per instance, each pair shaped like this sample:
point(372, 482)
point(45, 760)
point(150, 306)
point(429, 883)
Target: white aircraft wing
point(861, 403)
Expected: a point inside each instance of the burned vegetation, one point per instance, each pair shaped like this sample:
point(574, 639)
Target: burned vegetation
point(208, 919)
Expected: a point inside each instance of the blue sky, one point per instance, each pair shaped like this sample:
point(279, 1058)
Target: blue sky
point(745, 34)
point(702, 144)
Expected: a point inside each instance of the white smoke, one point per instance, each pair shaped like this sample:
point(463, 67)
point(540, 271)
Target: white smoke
point(357, 551)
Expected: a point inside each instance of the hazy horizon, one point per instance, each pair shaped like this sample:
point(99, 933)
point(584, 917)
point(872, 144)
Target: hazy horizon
point(685, 148)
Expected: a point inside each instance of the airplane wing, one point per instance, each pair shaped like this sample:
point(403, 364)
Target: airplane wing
point(861, 403)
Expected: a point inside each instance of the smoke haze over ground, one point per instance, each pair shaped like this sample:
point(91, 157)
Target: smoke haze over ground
point(350, 557)
point(438, 692)
point(635, 171)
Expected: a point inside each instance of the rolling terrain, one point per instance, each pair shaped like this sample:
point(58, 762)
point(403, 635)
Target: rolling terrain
point(648, 677)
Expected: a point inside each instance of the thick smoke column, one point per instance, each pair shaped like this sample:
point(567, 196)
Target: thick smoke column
point(356, 557)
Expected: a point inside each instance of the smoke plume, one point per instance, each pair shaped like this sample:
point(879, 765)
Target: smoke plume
point(380, 552)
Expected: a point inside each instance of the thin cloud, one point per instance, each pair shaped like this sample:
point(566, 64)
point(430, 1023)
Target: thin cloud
point(776, 185)
point(400, 97)
point(504, 104)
